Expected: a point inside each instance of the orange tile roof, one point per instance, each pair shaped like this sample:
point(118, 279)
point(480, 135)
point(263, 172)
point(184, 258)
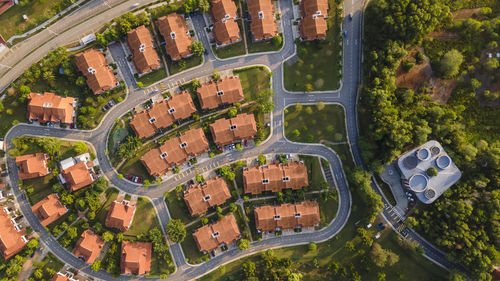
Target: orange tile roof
point(212, 236)
point(174, 30)
point(11, 241)
point(32, 166)
point(120, 214)
point(310, 7)
point(61, 277)
point(140, 42)
point(275, 177)
point(241, 127)
point(287, 216)
point(135, 257)
point(77, 176)
point(92, 64)
point(263, 25)
point(201, 197)
point(89, 246)
point(226, 91)
point(175, 151)
point(313, 27)
point(162, 114)
point(48, 107)
point(49, 209)
point(225, 29)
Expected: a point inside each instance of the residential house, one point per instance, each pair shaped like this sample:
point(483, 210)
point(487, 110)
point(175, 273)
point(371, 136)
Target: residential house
point(141, 44)
point(287, 216)
point(226, 30)
point(89, 246)
point(213, 192)
point(77, 172)
point(275, 177)
point(12, 236)
point(225, 91)
point(174, 30)
point(313, 25)
point(32, 166)
point(241, 127)
point(100, 77)
point(59, 276)
point(221, 233)
point(263, 25)
point(49, 209)
point(175, 151)
point(48, 107)
point(162, 114)
point(135, 257)
point(120, 214)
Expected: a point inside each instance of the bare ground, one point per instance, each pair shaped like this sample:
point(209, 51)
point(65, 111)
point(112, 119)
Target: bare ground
point(463, 14)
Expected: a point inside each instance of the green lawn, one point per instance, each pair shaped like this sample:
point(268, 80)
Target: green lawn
point(152, 77)
point(41, 187)
point(253, 79)
point(38, 11)
point(177, 208)
point(14, 112)
point(50, 261)
point(344, 152)
point(319, 61)
point(72, 242)
point(176, 67)
point(328, 210)
point(233, 50)
point(145, 219)
point(314, 172)
point(314, 125)
point(193, 255)
point(102, 213)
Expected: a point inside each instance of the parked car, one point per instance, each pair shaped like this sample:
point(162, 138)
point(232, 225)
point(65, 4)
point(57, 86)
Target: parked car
point(380, 226)
point(111, 103)
point(139, 180)
point(345, 33)
point(130, 177)
point(246, 143)
point(350, 16)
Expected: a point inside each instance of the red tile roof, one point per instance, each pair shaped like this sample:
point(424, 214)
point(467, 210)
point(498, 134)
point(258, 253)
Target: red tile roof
point(146, 123)
point(313, 27)
point(135, 257)
point(225, 91)
point(310, 7)
point(213, 236)
point(48, 107)
point(225, 29)
point(32, 166)
point(140, 42)
point(287, 216)
point(201, 197)
point(263, 24)
point(174, 29)
point(61, 277)
point(89, 246)
point(77, 176)
point(49, 209)
point(92, 64)
point(120, 215)
point(175, 151)
point(11, 241)
point(275, 177)
point(241, 127)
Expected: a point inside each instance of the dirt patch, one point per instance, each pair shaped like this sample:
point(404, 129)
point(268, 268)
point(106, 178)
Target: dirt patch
point(463, 14)
point(419, 74)
point(441, 89)
point(442, 34)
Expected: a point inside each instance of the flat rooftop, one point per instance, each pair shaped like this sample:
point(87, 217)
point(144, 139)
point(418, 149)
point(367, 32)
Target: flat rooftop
point(413, 166)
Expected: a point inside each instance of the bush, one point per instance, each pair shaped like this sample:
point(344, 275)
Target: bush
point(449, 65)
point(432, 172)
point(407, 65)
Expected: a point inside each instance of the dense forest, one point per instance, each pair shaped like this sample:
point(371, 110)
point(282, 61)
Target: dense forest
point(464, 222)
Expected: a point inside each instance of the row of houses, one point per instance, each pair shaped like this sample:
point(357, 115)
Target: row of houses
point(194, 143)
point(226, 30)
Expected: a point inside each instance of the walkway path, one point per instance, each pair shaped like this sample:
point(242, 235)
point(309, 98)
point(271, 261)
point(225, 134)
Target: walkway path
point(277, 143)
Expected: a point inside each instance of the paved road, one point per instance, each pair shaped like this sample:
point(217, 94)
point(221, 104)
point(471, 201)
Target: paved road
point(277, 143)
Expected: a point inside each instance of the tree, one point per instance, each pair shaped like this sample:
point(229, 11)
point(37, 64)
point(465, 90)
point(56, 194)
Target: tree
point(320, 105)
point(249, 269)
point(215, 74)
point(96, 265)
point(140, 84)
point(243, 244)
point(197, 47)
point(298, 107)
point(199, 178)
point(101, 41)
point(108, 236)
point(176, 230)
point(277, 40)
point(456, 275)
point(432, 172)
point(203, 5)
point(226, 172)
point(232, 207)
point(312, 246)
point(231, 112)
point(309, 87)
point(239, 147)
point(261, 159)
point(72, 232)
point(411, 222)
point(309, 110)
point(475, 83)
point(449, 65)
point(204, 220)
point(67, 198)
point(80, 147)
point(296, 133)
point(382, 257)
point(24, 90)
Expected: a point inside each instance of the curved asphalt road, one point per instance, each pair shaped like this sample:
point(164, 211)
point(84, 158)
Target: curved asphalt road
point(277, 143)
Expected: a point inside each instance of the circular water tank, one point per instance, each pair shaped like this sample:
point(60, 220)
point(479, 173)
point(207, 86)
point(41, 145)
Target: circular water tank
point(443, 161)
point(410, 162)
point(435, 150)
point(418, 182)
point(429, 193)
point(423, 154)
